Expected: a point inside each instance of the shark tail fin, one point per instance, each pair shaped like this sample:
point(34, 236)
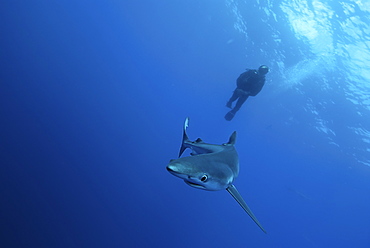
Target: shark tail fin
point(185, 137)
point(232, 139)
point(234, 192)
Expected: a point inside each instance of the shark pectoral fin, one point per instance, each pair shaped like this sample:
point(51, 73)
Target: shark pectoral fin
point(234, 192)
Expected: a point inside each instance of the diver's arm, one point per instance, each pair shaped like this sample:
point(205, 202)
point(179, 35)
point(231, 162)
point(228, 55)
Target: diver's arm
point(258, 88)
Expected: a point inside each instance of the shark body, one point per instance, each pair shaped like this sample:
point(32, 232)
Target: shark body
point(210, 167)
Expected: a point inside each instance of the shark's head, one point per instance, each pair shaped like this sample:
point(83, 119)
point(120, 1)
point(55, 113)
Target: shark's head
point(200, 175)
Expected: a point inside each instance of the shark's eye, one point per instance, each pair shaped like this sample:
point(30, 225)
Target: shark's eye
point(204, 178)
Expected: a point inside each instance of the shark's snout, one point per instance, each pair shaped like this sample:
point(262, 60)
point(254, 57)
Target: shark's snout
point(172, 169)
point(175, 170)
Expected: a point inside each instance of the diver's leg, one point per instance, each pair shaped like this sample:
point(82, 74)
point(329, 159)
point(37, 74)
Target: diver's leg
point(239, 103)
point(232, 98)
point(230, 115)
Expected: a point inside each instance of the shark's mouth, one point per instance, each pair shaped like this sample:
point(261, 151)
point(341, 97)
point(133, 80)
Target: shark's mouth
point(186, 178)
point(195, 185)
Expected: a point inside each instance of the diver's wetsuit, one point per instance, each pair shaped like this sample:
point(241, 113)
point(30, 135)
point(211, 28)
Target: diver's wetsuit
point(249, 83)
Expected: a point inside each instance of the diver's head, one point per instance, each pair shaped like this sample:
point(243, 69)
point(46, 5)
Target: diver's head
point(263, 70)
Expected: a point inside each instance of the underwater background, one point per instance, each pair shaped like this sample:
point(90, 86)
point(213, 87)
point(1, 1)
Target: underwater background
point(93, 95)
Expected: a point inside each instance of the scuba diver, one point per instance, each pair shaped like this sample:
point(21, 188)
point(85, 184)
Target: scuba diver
point(249, 83)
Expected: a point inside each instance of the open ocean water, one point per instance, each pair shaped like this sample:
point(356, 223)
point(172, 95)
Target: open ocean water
point(93, 95)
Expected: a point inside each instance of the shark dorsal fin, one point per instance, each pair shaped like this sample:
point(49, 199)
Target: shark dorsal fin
point(232, 139)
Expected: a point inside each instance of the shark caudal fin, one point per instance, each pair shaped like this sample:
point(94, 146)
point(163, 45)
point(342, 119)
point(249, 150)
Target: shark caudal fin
point(184, 137)
point(234, 192)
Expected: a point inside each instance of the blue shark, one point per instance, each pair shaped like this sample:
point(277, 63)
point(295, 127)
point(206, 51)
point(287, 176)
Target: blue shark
point(210, 167)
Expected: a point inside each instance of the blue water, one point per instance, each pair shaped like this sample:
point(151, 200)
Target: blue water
point(93, 95)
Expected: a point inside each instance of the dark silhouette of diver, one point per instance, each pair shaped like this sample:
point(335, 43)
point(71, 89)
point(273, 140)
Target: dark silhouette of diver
point(249, 83)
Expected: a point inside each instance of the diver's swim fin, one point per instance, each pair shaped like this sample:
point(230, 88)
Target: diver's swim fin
point(229, 116)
